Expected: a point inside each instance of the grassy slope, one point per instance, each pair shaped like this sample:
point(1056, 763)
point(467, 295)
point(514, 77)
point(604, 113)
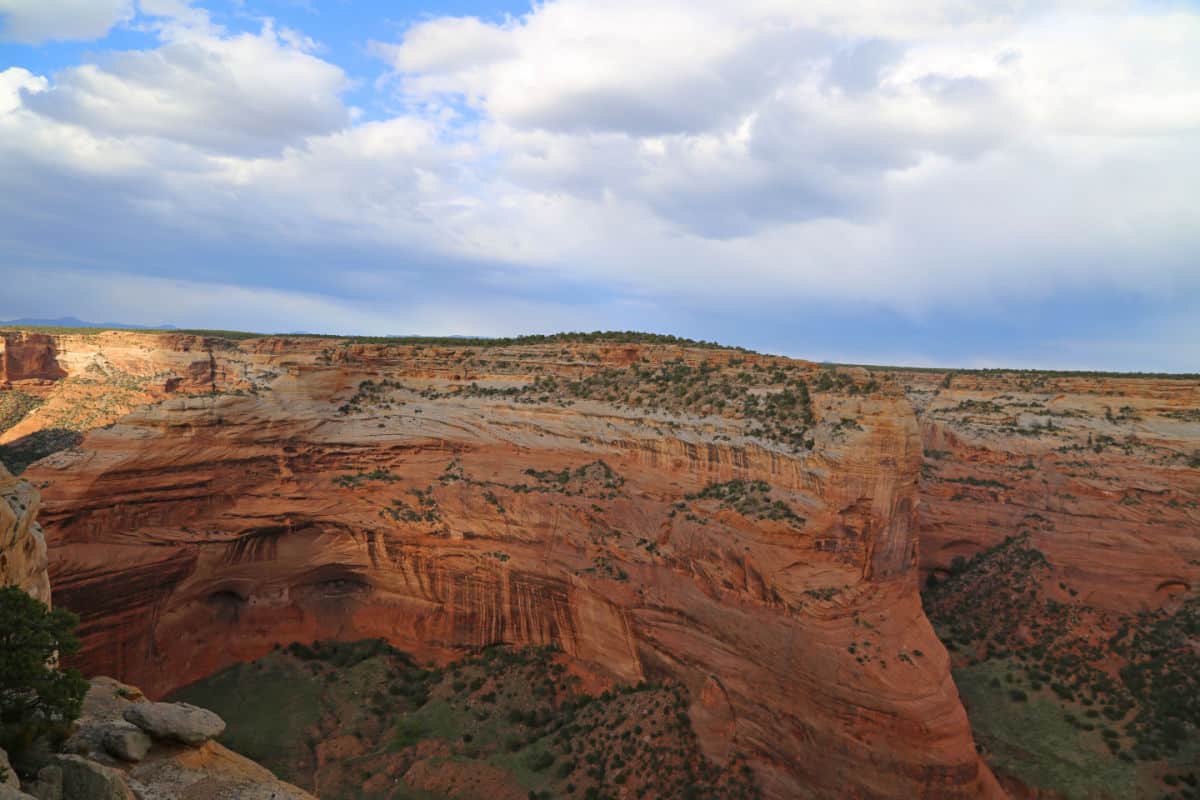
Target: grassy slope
point(1033, 740)
point(1062, 697)
point(502, 723)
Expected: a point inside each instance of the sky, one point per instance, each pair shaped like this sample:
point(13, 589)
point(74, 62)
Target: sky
point(972, 183)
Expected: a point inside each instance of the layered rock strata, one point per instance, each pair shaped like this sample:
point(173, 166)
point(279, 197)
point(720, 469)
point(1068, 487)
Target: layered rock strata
point(307, 489)
point(22, 542)
point(1102, 472)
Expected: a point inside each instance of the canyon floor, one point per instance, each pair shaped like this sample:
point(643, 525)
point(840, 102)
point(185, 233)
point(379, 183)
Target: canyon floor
point(824, 581)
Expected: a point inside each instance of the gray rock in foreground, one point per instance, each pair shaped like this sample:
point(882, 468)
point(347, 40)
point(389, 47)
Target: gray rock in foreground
point(180, 722)
point(87, 780)
point(125, 741)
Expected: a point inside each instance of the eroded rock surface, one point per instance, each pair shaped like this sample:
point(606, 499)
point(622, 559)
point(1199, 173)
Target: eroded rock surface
point(1102, 472)
point(446, 497)
point(165, 767)
point(22, 543)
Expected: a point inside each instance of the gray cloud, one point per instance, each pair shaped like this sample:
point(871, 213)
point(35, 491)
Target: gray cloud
point(38, 21)
point(901, 163)
point(860, 66)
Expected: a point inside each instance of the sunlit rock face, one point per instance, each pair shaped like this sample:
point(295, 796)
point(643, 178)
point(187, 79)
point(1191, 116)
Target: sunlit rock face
point(1102, 472)
point(258, 493)
point(22, 543)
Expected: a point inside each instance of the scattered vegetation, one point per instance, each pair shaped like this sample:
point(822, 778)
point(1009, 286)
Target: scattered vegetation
point(1054, 686)
point(500, 717)
point(424, 509)
point(594, 479)
point(15, 406)
point(775, 403)
point(750, 499)
point(350, 480)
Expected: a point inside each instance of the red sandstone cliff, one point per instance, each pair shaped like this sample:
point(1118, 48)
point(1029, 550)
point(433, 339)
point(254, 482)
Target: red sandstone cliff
point(22, 543)
point(1103, 472)
point(202, 530)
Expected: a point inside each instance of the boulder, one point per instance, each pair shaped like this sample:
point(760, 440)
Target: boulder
point(180, 722)
point(87, 780)
point(125, 741)
point(49, 784)
point(86, 740)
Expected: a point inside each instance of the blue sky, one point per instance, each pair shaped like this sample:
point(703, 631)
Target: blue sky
point(978, 184)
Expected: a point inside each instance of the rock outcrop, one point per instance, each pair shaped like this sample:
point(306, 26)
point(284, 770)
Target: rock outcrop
point(178, 722)
point(26, 356)
point(449, 497)
point(22, 542)
point(109, 758)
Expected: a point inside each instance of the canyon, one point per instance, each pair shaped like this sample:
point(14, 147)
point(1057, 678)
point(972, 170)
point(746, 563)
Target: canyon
point(756, 529)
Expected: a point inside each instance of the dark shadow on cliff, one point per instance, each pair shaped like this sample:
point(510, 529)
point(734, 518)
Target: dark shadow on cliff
point(19, 454)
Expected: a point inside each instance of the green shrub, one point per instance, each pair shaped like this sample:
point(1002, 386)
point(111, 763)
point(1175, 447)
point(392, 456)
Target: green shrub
point(37, 701)
point(408, 732)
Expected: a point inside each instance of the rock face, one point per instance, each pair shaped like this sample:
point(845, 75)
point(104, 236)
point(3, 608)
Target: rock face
point(28, 356)
point(22, 543)
point(430, 496)
point(1102, 472)
point(87, 770)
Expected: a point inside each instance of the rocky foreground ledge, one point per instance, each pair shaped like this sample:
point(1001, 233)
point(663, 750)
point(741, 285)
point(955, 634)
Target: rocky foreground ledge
point(126, 747)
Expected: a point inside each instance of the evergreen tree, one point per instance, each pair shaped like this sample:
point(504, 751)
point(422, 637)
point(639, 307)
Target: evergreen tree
point(38, 701)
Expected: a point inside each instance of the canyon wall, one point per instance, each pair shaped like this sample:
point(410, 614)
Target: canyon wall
point(167, 770)
point(243, 495)
point(1102, 472)
point(22, 544)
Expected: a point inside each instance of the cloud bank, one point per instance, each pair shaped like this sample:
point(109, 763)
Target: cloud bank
point(718, 167)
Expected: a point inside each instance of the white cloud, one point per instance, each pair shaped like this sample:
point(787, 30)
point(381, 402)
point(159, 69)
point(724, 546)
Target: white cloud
point(38, 21)
point(244, 93)
point(449, 44)
point(858, 155)
point(14, 81)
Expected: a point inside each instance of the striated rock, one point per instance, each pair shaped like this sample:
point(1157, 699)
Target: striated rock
point(204, 530)
point(180, 722)
point(1103, 472)
point(26, 356)
point(86, 771)
point(83, 779)
point(23, 560)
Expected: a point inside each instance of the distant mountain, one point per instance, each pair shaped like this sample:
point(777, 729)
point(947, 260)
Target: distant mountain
point(74, 322)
